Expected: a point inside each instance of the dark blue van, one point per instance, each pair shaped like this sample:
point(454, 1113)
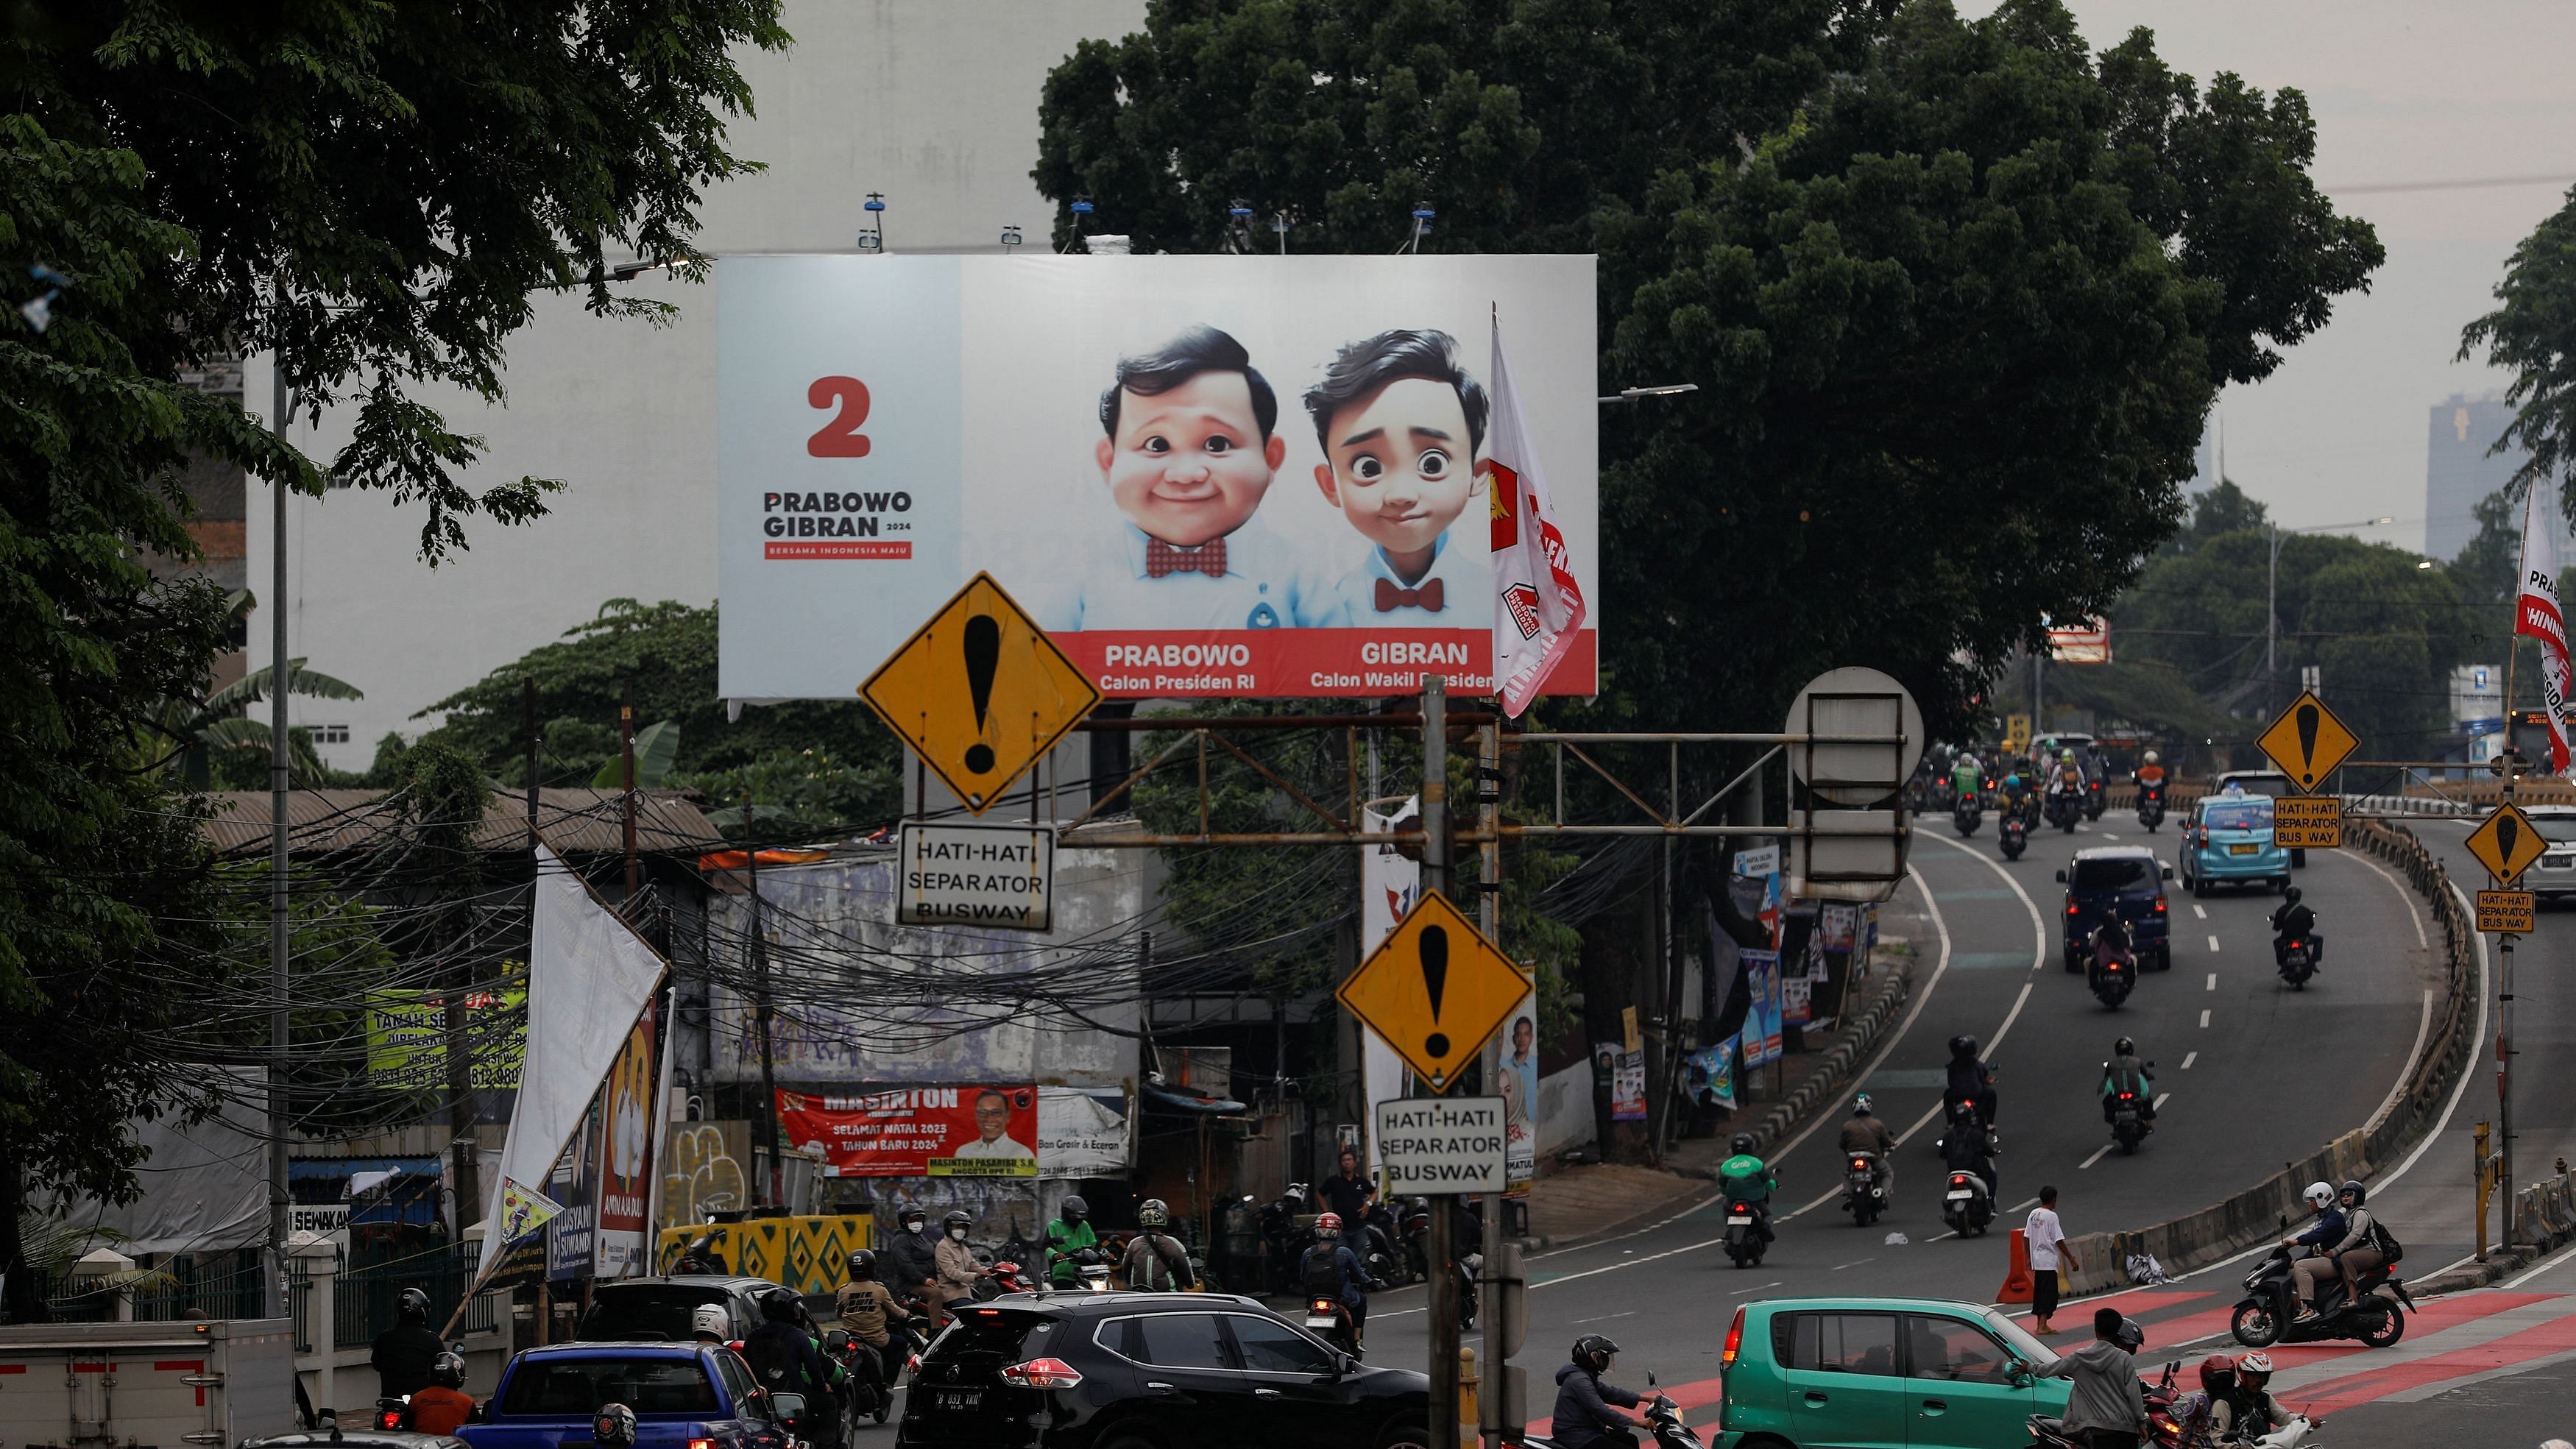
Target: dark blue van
point(2122, 878)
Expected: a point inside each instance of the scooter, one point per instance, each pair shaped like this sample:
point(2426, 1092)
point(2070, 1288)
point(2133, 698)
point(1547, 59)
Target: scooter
point(1002, 1277)
point(2269, 1313)
point(1386, 1260)
point(1864, 1197)
point(2013, 835)
point(1664, 1427)
point(2298, 962)
point(2112, 974)
point(1747, 1232)
point(1283, 1234)
point(864, 1371)
point(2063, 810)
point(2151, 806)
point(1966, 814)
point(1966, 1205)
point(1329, 1320)
point(2095, 798)
point(2129, 1125)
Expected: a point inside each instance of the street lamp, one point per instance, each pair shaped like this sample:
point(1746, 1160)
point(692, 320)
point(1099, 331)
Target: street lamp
point(2272, 595)
point(1631, 394)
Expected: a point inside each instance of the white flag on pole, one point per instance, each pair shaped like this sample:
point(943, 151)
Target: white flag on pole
point(2536, 612)
point(1538, 605)
point(588, 979)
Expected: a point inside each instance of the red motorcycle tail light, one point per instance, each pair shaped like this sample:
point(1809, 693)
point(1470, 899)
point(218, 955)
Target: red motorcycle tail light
point(1042, 1373)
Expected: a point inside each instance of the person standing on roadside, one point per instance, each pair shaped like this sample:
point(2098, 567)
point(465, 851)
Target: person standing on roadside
point(2108, 1409)
point(2046, 1238)
point(1347, 1195)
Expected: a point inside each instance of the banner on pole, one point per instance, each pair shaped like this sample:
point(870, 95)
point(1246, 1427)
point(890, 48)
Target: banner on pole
point(2537, 612)
point(980, 1131)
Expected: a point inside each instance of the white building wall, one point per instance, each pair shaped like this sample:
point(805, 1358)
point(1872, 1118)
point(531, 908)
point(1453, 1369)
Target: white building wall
point(932, 102)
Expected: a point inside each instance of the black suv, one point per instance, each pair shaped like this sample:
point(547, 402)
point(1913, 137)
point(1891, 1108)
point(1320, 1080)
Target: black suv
point(660, 1310)
point(1151, 1371)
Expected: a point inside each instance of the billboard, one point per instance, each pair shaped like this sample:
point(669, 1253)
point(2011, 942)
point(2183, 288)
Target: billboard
point(407, 1037)
point(988, 1131)
point(1203, 475)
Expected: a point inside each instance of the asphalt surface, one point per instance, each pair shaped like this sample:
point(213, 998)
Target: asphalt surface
point(2251, 1075)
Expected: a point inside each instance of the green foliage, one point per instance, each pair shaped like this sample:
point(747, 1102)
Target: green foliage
point(2532, 334)
point(656, 745)
point(806, 762)
point(2222, 508)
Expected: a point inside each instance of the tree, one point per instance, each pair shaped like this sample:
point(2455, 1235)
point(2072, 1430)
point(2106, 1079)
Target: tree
point(800, 765)
point(2532, 334)
point(2222, 509)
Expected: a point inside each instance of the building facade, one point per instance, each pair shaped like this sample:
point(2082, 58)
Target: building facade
point(2459, 473)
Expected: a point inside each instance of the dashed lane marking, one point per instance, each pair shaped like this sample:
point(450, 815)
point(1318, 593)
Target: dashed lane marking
point(2096, 1157)
point(2189, 1057)
point(2200, 912)
point(2213, 944)
point(2204, 1018)
point(2213, 982)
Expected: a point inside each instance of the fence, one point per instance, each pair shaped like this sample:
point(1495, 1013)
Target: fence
point(221, 1286)
point(364, 1297)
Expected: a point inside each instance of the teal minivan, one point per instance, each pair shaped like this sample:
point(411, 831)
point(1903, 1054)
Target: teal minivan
point(1880, 1373)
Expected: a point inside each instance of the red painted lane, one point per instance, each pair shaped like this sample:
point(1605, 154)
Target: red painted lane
point(2352, 1390)
point(2136, 1302)
point(2438, 1314)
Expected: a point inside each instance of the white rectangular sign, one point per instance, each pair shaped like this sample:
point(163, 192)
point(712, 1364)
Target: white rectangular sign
point(1756, 861)
point(976, 875)
point(1441, 1144)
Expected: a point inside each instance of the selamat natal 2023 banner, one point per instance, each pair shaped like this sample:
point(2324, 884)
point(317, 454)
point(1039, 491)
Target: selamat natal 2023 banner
point(1203, 475)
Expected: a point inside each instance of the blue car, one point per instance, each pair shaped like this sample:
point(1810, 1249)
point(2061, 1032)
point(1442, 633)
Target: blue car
point(2228, 841)
point(2125, 880)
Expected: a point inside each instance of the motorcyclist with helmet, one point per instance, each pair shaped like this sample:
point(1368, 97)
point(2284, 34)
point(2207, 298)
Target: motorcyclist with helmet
point(1966, 776)
point(867, 1310)
point(1971, 1079)
point(1969, 1146)
point(1745, 1178)
point(1590, 1413)
point(613, 1427)
point(2196, 1415)
point(407, 1352)
point(1863, 1132)
point(439, 1408)
point(910, 1262)
point(2247, 1410)
point(1327, 1269)
point(2125, 1073)
point(710, 1325)
point(784, 1360)
point(2328, 1228)
point(2294, 921)
point(2363, 1244)
point(1066, 1236)
point(959, 1270)
point(1156, 1261)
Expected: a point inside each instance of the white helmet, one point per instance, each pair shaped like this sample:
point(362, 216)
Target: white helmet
point(2152, 757)
point(2318, 1195)
point(710, 1319)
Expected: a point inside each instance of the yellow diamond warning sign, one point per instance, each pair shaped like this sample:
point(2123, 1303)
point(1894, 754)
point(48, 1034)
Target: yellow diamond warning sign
point(2307, 742)
point(979, 693)
point(2506, 843)
point(1435, 990)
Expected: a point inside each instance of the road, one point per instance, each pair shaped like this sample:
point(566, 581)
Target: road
point(2251, 1075)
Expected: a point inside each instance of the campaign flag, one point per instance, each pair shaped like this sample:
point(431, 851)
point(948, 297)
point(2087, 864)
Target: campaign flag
point(524, 1209)
point(1538, 605)
point(2536, 612)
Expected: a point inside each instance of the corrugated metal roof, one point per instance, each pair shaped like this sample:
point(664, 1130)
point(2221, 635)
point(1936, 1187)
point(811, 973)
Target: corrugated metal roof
point(572, 822)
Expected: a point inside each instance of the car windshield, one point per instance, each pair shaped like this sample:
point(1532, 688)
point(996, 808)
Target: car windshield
point(2018, 1339)
point(646, 1312)
point(576, 1387)
point(2262, 784)
point(2117, 873)
point(2556, 829)
point(2254, 814)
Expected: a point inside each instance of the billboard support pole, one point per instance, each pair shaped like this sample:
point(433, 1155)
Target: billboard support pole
point(1492, 1370)
point(1445, 1335)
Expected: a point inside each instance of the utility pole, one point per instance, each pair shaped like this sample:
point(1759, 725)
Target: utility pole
point(760, 1018)
point(2511, 761)
point(274, 1298)
point(1492, 1368)
point(626, 737)
point(528, 726)
point(1445, 1335)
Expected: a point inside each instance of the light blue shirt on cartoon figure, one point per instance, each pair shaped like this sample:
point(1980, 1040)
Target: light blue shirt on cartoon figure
point(1101, 583)
point(1466, 576)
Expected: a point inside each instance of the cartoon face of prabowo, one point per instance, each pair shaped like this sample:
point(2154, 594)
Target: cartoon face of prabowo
point(1190, 465)
point(1399, 465)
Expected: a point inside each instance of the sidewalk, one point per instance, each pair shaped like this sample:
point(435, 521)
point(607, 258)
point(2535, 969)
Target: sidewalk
point(1594, 1200)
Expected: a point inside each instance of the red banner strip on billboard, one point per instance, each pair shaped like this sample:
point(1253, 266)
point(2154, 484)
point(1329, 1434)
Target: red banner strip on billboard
point(1297, 663)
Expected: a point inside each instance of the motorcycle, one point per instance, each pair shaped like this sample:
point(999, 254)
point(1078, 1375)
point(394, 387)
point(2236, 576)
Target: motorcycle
point(2095, 798)
point(1283, 1235)
point(1386, 1259)
point(2298, 962)
point(2151, 806)
point(1004, 1276)
point(2129, 1125)
point(1944, 794)
point(864, 1371)
point(1966, 1205)
point(1864, 1197)
point(2269, 1313)
point(1966, 814)
point(1746, 1238)
point(1469, 1264)
point(2111, 973)
point(2063, 810)
point(1330, 1320)
point(1664, 1427)
point(2012, 834)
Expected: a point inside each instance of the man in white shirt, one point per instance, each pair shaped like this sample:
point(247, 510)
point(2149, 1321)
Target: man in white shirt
point(993, 1121)
point(2046, 1238)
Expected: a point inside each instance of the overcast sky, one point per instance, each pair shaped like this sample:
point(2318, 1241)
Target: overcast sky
point(2404, 91)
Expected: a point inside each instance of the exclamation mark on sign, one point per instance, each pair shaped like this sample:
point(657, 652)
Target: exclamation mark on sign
point(1435, 980)
point(2308, 717)
point(983, 647)
point(2506, 834)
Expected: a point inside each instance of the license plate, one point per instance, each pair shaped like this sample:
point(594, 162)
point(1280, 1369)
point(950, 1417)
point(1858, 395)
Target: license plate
point(1962, 1195)
point(2243, 849)
point(957, 1400)
point(1318, 1320)
point(1739, 1220)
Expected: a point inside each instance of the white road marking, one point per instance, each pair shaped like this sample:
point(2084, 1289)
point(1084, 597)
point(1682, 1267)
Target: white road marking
point(2161, 1099)
point(2213, 982)
point(2096, 1157)
point(2213, 944)
point(2108, 836)
point(1758, 1287)
point(2200, 912)
point(2204, 1018)
point(2017, 1207)
point(1954, 1232)
point(2189, 1057)
point(1854, 1263)
point(1606, 1317)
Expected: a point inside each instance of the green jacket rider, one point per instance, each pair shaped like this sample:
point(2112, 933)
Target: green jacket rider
point(1069, 1234)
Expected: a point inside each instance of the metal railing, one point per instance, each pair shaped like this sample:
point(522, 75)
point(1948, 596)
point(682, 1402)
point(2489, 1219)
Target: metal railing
point(364, 1297)
point(222, 1286)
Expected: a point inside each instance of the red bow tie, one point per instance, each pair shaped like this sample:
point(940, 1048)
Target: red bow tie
point(1162, 559)
point(1392, 596)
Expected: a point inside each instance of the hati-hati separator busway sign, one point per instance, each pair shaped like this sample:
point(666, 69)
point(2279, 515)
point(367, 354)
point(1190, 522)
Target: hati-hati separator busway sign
point(1435, 990)
point(979, 693)
point(1440, 1144)
point(953, 873)
point(2307, 742)
point(2506, 843)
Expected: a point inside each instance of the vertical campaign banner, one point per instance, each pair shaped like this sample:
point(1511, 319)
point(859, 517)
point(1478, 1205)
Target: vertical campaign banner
point(1204, 476)
point(1761, 1035)
point(1389, 885)
point(626, 1156)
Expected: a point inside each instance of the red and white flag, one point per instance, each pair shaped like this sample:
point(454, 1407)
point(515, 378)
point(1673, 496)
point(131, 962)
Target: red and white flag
point(2536, 612)
point(1538, 604)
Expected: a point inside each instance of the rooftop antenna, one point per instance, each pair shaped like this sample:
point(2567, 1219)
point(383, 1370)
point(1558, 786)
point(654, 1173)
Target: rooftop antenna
point(1081, 208)
point(1010, 239)
point(1422, 214)
point(873, 239)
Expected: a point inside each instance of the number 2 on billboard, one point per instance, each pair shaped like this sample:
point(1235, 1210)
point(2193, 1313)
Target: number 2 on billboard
point(839, 438)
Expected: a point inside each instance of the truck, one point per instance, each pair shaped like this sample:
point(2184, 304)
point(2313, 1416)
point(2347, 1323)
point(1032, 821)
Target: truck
point(146, 1385)
point(685, 1396)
